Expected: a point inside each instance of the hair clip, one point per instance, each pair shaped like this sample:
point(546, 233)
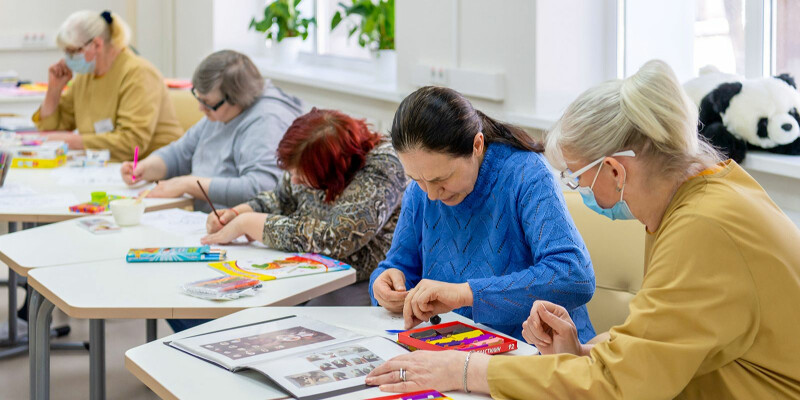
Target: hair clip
point(107, 16)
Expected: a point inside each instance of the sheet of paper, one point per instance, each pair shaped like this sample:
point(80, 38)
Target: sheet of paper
point(10, 189)
point(177, 221)
point(95, 176)
point(37, 202)
point(130, 191)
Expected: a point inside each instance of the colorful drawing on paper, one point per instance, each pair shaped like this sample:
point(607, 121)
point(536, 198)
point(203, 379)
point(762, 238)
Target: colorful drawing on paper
point(292, 266)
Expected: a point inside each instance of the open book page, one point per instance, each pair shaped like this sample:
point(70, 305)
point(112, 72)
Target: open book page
point(341, 367)
point(249, 345)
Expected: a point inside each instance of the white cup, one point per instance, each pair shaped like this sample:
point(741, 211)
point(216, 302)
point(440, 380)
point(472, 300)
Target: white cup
point(127, 212)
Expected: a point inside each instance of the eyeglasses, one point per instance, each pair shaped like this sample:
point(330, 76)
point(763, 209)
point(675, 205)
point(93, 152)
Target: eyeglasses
point(79, 49)
point(570, 179)
point(215, 107)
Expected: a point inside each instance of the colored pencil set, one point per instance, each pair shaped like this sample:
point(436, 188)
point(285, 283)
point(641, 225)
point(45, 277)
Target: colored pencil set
point(456, 336)
point(175, 254)
point(421, 395)
point(5, 165)
point(221, 288)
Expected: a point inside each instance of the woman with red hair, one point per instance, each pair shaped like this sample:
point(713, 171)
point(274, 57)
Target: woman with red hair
point(340, 196)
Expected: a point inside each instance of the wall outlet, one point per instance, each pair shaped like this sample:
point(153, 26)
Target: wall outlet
point(36, 39)
point(27, 41)
point(485, 85)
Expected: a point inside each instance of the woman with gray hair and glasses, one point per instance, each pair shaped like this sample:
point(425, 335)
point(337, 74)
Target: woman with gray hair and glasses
point(231, 151)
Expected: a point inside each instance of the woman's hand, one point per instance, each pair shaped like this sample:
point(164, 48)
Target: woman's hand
point(389, 289)
point(58, 75)
point(170, 188)
point(251, 225)
point(214, 224)
point(551, 330)
point(430, 298)
point(74, 141)
point(127, 171)
point(440, 370)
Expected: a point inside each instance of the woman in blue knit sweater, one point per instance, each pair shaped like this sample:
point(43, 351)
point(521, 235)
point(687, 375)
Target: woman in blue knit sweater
point(483, 230)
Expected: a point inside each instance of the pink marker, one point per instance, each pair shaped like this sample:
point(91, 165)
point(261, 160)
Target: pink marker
point(135, 160)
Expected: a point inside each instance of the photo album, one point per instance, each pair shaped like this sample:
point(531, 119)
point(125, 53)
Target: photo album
point(308, 359)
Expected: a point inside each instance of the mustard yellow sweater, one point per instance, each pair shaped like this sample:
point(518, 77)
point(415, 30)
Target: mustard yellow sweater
point(717, 316)
point(132, 95)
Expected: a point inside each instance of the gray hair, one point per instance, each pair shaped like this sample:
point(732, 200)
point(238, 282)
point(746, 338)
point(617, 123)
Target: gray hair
point(83, 26)
point(233, 73)
point(648, 112)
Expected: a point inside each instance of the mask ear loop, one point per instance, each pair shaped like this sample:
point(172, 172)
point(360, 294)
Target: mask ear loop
point(624, 180)
point(596, 175)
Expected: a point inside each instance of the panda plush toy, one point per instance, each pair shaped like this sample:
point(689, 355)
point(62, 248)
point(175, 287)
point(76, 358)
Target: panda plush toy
point(739, 114)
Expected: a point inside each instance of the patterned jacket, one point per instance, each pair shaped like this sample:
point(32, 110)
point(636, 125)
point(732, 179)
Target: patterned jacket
point(357, 228)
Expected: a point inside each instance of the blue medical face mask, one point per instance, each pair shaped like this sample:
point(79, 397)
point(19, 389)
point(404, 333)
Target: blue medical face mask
point(619, 210)
point(78, 64)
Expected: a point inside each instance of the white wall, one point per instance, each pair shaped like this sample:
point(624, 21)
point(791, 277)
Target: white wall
point(194, 34)
point(41, 16)
point(572, 45)
point(670, 37)
point(154, 33)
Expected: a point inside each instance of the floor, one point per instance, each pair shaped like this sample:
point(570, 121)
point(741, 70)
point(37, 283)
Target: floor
point(69, 370)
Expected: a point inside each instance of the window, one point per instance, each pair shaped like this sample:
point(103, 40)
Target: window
point(335, 43)
point(321, 40)
point(753, 38)
point(719, 35)
point(787, 37)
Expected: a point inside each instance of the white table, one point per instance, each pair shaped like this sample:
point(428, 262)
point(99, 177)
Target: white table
point(109, 287)
point(45, 181)
point(172, 374)
point(65, 243)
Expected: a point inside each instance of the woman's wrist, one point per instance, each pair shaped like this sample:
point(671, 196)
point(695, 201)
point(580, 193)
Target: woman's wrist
point(586, 349)
point(478, 373)
point(241, 209)
point(465, 293)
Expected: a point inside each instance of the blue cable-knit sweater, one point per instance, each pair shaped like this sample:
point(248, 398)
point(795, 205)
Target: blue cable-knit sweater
point(511, 239)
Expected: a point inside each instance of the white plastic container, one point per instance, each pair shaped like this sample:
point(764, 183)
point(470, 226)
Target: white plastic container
point(127, 212)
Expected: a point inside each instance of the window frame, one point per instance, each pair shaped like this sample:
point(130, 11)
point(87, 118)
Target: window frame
point(760, 33)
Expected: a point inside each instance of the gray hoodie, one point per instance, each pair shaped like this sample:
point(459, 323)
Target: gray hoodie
point(239, 155)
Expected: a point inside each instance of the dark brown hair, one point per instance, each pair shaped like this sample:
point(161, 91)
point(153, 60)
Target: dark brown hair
point(442, 120)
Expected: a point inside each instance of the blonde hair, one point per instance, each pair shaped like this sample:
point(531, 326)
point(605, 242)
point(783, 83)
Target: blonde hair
point(648, 112)
point(83, 26)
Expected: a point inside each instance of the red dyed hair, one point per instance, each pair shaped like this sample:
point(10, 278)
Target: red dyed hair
point(328, 148)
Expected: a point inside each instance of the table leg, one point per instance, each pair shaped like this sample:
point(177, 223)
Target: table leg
point(97, 359)
point(12, 306)
point(34, 301)
point(40, 316)
point(12, 345)
point(152, 330)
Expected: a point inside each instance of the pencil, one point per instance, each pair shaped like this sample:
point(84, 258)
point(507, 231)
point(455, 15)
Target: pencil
point(135, 160)
point(207, 199)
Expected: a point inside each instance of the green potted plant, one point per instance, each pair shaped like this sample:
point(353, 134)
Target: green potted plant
point(284, 25)
point(373, 22)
